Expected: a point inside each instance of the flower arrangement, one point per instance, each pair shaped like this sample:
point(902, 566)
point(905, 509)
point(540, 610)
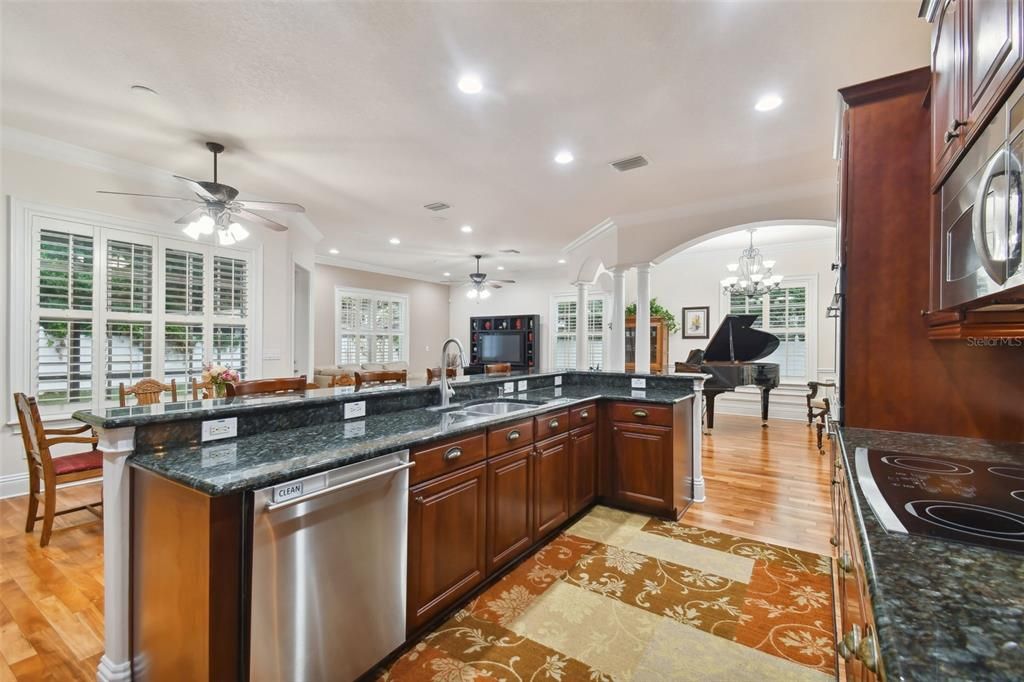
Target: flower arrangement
point(219, 377)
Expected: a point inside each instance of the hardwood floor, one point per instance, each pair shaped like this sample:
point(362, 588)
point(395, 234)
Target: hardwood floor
point(766, 484)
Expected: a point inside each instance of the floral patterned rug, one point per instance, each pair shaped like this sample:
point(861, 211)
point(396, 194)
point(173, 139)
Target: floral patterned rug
point(621, 596)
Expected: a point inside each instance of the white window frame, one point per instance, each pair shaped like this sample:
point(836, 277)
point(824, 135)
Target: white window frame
point(811, 317)
point(571, 297)
point(23, 216)
point(375, 295)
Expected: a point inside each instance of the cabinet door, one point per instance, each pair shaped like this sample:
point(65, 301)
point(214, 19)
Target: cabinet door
point(642, 466)
point(582, 468)
point(551, 485)
point(510, 507)
point(993, 51)
point(947, 98)
point(447, 541)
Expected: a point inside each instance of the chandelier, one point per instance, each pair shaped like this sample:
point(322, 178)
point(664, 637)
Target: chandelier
point(752, 275)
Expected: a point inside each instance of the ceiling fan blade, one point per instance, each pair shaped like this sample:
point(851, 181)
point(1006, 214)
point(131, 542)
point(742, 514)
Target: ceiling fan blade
point(493, 285)
point(270, 206)
point(191, 216)
point(261, 221)
point(198, 188)
point(148, 196)
point(504, 281)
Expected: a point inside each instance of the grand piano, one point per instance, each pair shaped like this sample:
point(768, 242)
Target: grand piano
point(731, 360)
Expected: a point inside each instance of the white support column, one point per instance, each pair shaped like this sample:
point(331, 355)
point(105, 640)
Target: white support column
point(617, 342)
point(116, 445)
point(582, 337)
point(643, 318)
point(697, 436)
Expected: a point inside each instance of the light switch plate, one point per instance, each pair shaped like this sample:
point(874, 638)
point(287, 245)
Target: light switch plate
point(638, 382)
point(558, 392)
point(638, 394)
point(355, 429)
point(558, 380)
point(510, 387)
point(521, 386)
point(216, 429)
point(356, 409)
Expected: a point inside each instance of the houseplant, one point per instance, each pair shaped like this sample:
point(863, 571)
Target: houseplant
point(657, 311)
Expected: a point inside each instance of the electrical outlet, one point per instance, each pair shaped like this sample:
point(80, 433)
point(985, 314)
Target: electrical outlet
point(638, 382)
point(558, 392)
point(216, 429)
point(355, 429)
point(356, 409)
point(638, 394)
point(521, 386)
point(558, 380)
point(510, 387)
point(214, 455)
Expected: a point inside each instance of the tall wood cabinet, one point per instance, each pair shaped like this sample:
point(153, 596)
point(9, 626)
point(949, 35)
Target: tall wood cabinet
point(659, 345)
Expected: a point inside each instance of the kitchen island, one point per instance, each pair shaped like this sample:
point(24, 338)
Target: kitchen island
point(182, 577)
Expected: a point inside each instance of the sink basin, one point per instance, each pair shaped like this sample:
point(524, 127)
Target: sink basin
point(497, 408)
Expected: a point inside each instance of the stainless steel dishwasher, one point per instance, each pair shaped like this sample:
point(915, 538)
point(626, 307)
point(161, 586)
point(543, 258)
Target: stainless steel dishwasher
point(329, 571)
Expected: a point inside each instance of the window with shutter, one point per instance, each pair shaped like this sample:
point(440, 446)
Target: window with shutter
point(230, 348)
point(65, 271)
point(786, 311)
point(183, 282)
point(370, 326)
point(230, 286)
point(183, 352)
point(63, 361)
point(129, 277)
point(128, 353)
point(564, 332)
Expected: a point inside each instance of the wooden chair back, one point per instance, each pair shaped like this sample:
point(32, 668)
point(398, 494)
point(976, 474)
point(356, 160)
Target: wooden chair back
point(147, 392)
point(434, 374)
point(383, 377)
point(205, 386)
point(37, 452)
point(343, 380)
point(498, 368)
point(263, 386)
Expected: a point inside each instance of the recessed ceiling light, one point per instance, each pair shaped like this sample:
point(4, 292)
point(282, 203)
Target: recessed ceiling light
point(563, 157)
point(561, 261)
point(139, 89)
point(467, 228)
point(470, 84)
point(501, 267)
point(768, 102)
point(395, 240)
point(447, 274)
point(333, 252)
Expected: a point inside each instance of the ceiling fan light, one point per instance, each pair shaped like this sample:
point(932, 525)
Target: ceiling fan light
point(205, 224)
point(225, 238)
point(237, 231)
point(484, 293)
point(193, 230)
point(472, 293)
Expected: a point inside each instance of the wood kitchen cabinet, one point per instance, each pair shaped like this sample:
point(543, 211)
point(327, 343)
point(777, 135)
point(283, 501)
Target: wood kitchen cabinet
point(551, 485)
point(977, 57)
point(642, 470)
point(582, 467)
point(447, 541)
point(510, 501)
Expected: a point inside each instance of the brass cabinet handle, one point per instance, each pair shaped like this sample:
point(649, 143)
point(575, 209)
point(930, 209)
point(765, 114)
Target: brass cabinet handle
point(640, 413)
point(845, 562)
point(867, 650)
point(847, 647)
point(452, 454)
point(419, 499)
point(954, 131)
point(512, 436)
point(553, 424)
point(584, 414)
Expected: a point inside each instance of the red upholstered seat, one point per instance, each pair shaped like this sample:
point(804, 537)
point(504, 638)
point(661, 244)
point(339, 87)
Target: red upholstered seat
point(82, 461)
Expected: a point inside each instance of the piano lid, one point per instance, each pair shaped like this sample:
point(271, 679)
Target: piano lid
point(736, 341)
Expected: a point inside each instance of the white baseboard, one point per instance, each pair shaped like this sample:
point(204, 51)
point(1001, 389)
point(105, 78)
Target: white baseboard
point(16, 485)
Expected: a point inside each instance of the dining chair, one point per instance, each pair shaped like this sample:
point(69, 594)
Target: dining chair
point(205, 386)
point(265, 386)
point(434, 374)
point(381, 377)
point(818, 407)
point(148, 391)
point(51, 471)
point(498, 368)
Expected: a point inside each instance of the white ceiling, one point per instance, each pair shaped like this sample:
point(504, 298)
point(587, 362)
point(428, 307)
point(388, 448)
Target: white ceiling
point(351, 108)
point(764, 236)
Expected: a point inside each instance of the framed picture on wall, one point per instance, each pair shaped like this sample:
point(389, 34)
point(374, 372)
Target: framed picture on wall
point(695, 322)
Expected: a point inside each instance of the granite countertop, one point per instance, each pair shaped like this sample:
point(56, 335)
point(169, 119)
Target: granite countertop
point(263, 459)
point(943, 609)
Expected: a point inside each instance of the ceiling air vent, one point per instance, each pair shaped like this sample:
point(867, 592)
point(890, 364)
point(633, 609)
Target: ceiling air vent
point(437, 206)
point(632, 162)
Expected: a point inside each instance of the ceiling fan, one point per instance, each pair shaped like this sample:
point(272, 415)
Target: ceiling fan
point(220, 210)
point(479, 283)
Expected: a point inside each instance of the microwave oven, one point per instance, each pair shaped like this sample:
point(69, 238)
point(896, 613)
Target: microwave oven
point(983, 216)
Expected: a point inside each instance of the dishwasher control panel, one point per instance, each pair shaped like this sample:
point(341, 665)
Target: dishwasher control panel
point(298, 488)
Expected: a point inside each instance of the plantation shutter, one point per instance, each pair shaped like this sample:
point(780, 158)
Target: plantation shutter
point(128, 353)
point(595, 332)
point(565, 334)
point(183, 352)
point(183, 276)
point(129, 277)
point(230, 347)
point(64, 278)
point(230, 286)
point(63, 361)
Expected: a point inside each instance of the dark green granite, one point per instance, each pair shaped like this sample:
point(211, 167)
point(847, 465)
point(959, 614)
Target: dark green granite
point(944, 610)
point(273, 456)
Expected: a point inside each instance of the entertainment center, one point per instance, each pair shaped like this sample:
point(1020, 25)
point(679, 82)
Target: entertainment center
point(504, 338)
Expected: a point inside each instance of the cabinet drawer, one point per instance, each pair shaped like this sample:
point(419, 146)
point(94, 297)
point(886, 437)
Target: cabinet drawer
point(583, 415)
point(551, 424)
point(642, 413)
point(450, 455)
point(506, 438)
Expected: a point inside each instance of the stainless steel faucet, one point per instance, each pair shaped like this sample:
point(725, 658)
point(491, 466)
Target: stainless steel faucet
point(446, 390)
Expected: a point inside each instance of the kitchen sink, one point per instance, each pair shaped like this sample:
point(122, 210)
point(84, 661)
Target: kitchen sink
point(496, 408)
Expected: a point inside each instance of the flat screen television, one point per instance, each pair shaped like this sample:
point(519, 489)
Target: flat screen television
point(501, 347)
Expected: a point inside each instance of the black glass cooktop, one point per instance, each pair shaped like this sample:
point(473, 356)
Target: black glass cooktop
point(974, 502)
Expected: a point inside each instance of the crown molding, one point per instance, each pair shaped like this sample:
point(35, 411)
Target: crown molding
point(339, 262)
point(591, 234)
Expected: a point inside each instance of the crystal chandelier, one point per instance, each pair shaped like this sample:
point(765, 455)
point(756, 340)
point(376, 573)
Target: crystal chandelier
point(752, 275)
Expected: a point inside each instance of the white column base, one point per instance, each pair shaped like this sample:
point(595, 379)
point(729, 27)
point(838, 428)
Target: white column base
point(116, 445)
point(697, 429)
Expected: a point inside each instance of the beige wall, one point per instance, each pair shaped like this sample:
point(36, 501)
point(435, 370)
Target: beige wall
point(428, 313)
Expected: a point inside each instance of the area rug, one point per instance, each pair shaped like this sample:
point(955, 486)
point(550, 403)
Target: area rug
point(622, 596)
